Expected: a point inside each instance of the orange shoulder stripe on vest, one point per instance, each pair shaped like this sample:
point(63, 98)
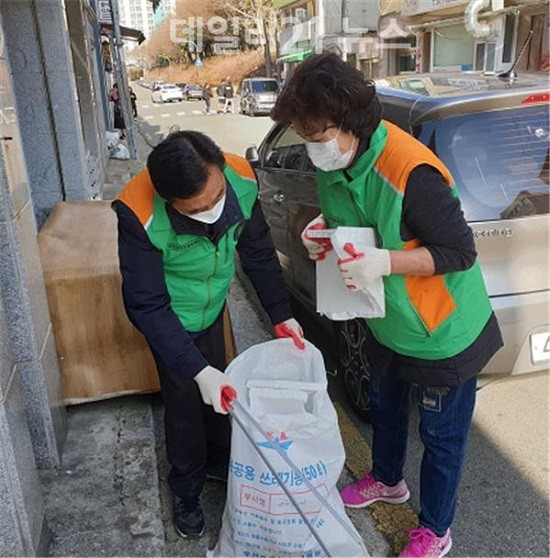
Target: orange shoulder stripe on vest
point(138, 196)
point(240, 165)
point(402, 154)
point(429, 295)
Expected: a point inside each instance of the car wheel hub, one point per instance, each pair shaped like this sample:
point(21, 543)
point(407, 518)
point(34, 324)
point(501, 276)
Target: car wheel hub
point(354, 365)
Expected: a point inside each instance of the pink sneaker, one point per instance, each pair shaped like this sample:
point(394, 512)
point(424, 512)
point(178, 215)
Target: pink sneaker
point(365, 492)
point(424, 543)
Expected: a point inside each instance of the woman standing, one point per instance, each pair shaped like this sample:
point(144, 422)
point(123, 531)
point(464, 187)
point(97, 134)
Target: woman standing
point(119, 124)
point(439, 329)
point(133, 102)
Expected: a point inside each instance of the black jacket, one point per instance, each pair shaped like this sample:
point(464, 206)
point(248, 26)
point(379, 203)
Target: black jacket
point(146, 297)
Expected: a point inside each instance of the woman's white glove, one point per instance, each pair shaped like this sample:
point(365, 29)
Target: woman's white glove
point(216, 389)
point(364, 268)
point(316, 247)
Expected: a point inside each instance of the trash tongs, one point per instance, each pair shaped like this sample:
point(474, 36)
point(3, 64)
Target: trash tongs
point(237, 408)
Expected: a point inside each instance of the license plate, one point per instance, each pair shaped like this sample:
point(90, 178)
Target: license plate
point(540, 347)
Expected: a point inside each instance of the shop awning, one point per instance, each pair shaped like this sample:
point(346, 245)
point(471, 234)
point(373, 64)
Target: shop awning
point(295, 56)
point(126, 32)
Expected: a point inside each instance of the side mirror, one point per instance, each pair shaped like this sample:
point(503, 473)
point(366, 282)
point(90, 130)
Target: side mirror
point(252, 155)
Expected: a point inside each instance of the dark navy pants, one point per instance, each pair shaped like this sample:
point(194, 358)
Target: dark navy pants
point(445, 418)
point(196, 436)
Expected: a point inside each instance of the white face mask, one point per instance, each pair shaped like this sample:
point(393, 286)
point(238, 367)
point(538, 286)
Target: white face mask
point(327, 156)
point(210, 215)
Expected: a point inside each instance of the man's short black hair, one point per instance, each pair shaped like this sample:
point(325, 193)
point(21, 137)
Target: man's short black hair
point(178, 164)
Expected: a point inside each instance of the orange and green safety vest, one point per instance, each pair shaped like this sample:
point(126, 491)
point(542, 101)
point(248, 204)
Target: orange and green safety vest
point(197, 272)
point(426, 317)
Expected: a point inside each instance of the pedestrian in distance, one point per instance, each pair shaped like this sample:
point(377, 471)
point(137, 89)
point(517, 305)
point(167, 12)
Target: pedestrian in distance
point(180, 222)
point(133, 102)
point(229, 94)
point(118, 115)
point(439, 329)
point(207, 97)
point(220, 94)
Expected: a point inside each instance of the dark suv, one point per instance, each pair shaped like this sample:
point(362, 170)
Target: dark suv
point(494, 138)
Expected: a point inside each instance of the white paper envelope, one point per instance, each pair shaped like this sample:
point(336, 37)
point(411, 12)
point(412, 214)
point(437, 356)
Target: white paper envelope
point(333, 298)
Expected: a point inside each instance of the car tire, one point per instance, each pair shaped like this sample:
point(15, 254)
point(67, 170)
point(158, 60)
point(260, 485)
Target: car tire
point(353, 366)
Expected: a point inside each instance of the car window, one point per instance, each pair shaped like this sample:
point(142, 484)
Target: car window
point(267, 86)
point(288, 151)
point(499, 160)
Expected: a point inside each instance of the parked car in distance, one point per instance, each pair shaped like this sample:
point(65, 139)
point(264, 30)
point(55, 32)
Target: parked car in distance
point(181, 85)
point(167, 93)
point(258, 95)
point(494, 138)
point(192, 91)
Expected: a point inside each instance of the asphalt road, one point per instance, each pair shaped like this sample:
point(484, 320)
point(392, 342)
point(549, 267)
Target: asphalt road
point(503, 502)
point(232, 132)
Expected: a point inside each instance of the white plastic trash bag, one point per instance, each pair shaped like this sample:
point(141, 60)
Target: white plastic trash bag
point(120, 152)
point(111, 138)
point(284, 390)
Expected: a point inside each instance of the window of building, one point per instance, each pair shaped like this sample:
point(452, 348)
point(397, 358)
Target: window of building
point(509, 38)
point(406, 56)
point(485, 57)
point(301, 14)
point(452, 48)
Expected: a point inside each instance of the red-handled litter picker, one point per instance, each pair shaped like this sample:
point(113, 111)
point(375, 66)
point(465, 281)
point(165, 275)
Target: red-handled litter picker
point(236, 409)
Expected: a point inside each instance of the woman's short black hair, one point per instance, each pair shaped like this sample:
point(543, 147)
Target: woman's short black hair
point(325, 89)
point(178, 164)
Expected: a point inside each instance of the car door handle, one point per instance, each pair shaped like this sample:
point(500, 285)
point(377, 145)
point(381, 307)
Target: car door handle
point(279, 198)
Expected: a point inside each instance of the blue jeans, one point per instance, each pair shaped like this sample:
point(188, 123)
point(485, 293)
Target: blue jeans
point(445, 418)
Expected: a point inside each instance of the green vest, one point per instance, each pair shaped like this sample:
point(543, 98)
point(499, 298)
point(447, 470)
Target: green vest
point(198, 273)
point(426, 317)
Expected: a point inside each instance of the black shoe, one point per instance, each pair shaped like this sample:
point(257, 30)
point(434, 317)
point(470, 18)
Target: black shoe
point(217, 473)
point(188, 518)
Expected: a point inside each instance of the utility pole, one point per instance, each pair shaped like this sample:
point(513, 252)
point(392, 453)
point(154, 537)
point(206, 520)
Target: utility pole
point(121, 80)
point(345, 27)
point(267, 50)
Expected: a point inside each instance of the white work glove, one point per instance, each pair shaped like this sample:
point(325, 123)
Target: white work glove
point(216, 389)
point(363, 268)
point(316, 247)
point(291, 328)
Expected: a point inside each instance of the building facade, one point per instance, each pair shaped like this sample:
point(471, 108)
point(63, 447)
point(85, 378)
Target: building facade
point(390, 37)
point(53, 110)
point(453, 36)
point(163, 10)
point(137, 14)
point(347, 27)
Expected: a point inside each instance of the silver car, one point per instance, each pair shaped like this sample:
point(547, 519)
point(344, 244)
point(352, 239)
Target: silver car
point(494, 138)
point(258, 95)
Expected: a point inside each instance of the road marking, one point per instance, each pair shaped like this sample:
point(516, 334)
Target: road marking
point(164, 115)
point(148, 117)
point(181, 113)
point(144, 106)
point(393, 521)
point(197, 111)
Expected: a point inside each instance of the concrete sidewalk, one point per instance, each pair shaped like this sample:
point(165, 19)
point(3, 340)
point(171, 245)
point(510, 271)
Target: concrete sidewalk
point(110, 497)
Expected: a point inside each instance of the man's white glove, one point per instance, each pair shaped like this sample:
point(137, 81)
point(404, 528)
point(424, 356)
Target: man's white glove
point(291, 328)
point(316, 247)
point(364, 268)
point(216, 389)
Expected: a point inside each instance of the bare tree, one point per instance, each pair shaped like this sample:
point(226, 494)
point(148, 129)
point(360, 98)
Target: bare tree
point(264, 17)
